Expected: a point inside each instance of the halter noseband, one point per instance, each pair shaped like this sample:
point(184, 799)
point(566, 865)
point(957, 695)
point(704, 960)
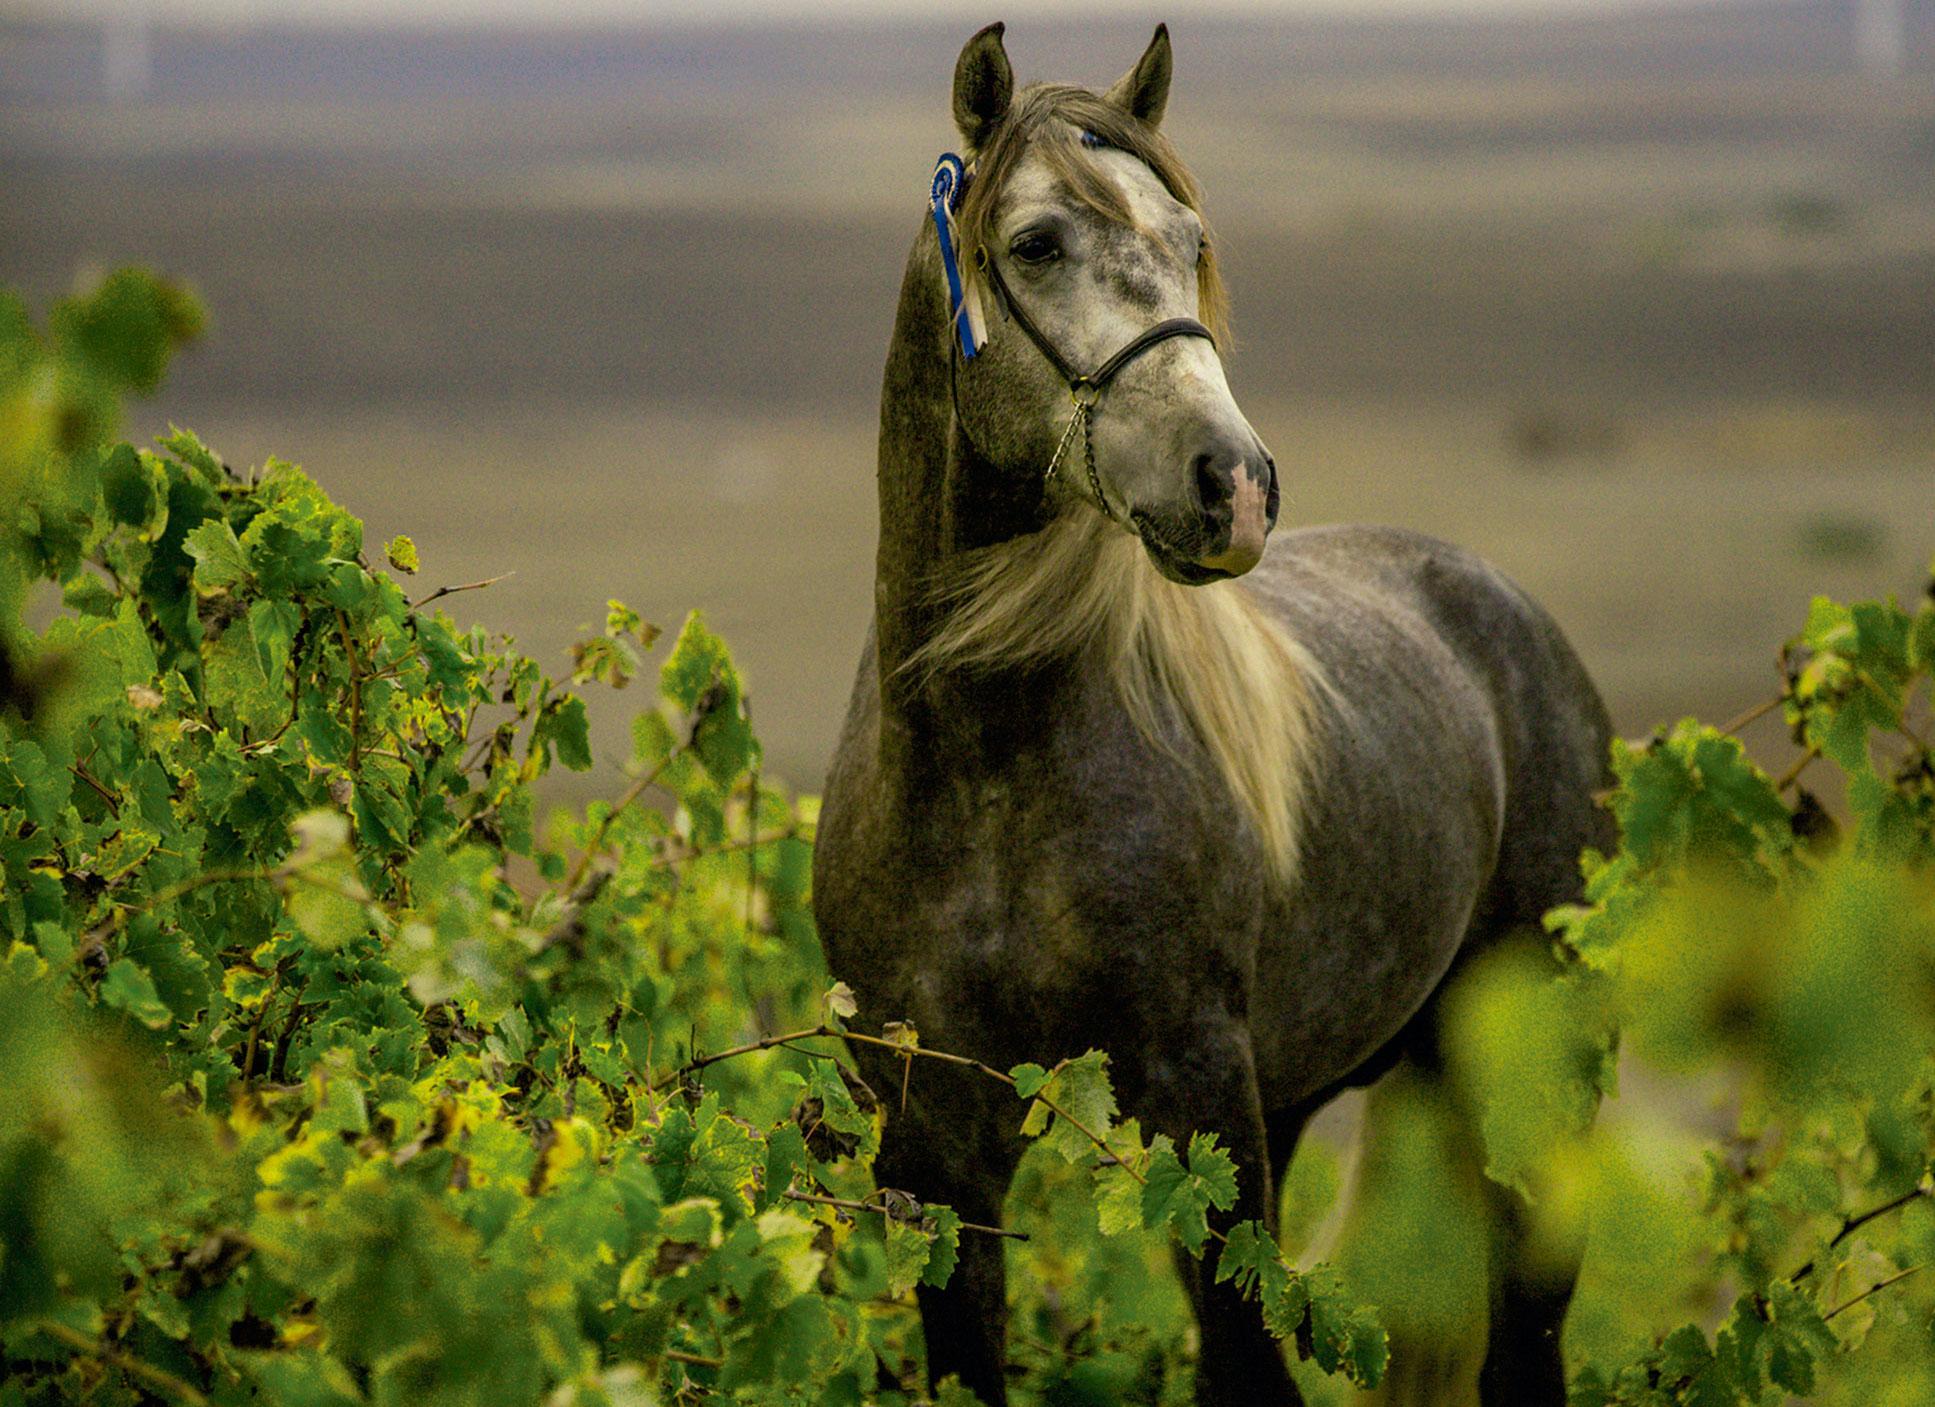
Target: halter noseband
point(1084, 388)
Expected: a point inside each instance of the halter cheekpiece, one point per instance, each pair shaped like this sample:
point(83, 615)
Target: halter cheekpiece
point(951, 180)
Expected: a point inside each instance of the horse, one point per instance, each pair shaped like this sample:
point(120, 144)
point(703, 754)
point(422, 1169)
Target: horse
point(1113, 775)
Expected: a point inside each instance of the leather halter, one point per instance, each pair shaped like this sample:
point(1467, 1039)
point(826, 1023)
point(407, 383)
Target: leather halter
point(1099, 378)
point(1084, 388)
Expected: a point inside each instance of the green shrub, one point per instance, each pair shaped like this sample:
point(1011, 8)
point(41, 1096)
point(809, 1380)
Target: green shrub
point(329, 1076)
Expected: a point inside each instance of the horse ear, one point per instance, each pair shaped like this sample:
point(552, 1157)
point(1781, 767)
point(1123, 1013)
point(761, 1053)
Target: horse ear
point(983, 85)
point(1143, 92)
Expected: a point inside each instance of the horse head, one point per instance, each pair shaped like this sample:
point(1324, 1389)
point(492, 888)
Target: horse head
point(1087, 259)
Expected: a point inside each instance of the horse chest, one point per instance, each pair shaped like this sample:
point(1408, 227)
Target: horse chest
point(1066, 903)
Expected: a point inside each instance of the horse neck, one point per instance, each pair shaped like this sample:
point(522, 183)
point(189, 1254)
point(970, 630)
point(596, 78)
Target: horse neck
point(935, 503)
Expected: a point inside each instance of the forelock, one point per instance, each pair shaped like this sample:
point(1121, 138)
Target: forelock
point(1049, 120)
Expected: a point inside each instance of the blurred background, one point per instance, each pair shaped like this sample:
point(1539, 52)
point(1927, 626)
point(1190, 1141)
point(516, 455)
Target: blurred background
point(1636, 299)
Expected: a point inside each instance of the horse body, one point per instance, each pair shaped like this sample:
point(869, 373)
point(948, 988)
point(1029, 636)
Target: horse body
point(1025, 861)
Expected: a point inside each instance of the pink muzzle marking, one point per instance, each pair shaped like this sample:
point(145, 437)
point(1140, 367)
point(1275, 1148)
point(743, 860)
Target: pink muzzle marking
point(1249, 526)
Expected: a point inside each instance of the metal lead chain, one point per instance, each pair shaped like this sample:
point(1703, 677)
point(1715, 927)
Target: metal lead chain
point(1077, 421)
point(1084, 395)
point(1094, 479)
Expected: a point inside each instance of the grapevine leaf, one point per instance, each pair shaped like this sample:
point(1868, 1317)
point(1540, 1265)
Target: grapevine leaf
point(946, 1248)
point(840, 1001)
point(1345, 1337)
point(128, 986)
point(1028, 1078)
point(219, 560)
point(1080, 1089)
point(908, 1249)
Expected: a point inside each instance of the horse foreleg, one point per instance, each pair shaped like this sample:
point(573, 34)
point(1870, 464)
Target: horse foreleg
point(1213, 1088)
point(1532, 1283)
point(965, 1324)
point(1529, 1268)
point(956, 1148)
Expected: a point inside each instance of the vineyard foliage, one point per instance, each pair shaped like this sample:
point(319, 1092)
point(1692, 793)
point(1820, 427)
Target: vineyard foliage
point(331, 1074)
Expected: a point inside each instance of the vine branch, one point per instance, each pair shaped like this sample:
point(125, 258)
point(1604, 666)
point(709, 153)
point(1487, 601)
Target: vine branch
point(846, 1204)
point(155, 1377)
point(908, 1052)
point(1793, 774)
point(1878, 1285)
point(695, 1360)
point(631, 794)
point(1765, 706)
point(443, 591)
point(1852, 1224)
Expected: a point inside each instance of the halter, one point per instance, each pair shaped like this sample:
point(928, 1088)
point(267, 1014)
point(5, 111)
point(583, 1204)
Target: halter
point(1084, 388)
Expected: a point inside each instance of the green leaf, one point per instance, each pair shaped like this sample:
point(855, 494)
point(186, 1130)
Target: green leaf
point(568, 729)
point(724, 1159)
point(908, 1248)
point(128, 489)
point(187, 447)
point(697, 665)
point(786, 1158)
point(219, 559)
point(944, 1251)
point(400, 552)
point(1175, 1195)
point(1028, 1078)
point(1798, 1338)
point(1118, 1201)
point(127, 327)
point(326, 903)
point(1345, 1337)
point(127, 986)
point(246, 986)
point(1080, 1089)
point(1214, 1169)
point(949, 1393)
point(699, 678)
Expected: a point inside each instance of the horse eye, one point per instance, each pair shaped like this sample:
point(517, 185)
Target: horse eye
point(1036, 247)
point(1202, 249)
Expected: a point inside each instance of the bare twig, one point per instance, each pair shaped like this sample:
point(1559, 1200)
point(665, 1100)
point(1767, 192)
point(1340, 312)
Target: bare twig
point(1793, 774)
point(726, 847)
point(845, 1204)
point(908, 1052)
point(155, 1377)
point(113, 801)
point(631, 794)
point(765, 1043)
point(1764, 707)
point(1878, 1285)
point(279, 1061)
point(752, 825)
point(443, 591)
point(255, 1026)
point(1852, 1224)
point(696, 1360)
point(200, 881)
point(355, 693)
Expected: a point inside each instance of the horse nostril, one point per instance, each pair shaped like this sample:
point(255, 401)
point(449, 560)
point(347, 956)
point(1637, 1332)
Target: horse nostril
point(1273, 498)
point(1212, 490)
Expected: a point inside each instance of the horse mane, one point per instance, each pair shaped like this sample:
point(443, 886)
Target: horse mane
point(1187, 662)
point(1049, 119)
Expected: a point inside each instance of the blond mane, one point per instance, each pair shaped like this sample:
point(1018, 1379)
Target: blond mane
point(1202, 663)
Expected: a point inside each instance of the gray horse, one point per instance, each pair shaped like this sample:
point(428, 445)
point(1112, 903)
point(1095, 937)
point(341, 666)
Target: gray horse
point(1093, 791)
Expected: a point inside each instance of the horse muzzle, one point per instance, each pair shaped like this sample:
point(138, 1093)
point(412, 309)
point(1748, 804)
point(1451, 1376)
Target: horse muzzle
point(1233, 505)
